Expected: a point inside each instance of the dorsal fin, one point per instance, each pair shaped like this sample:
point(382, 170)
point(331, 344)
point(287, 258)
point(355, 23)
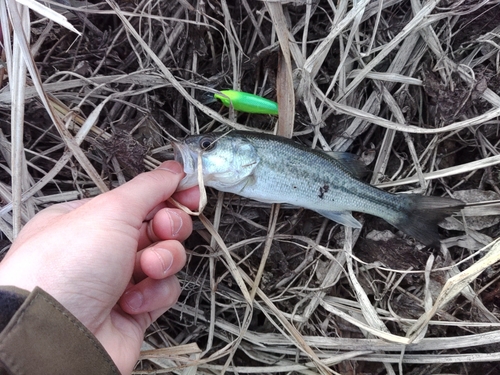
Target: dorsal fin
point(350, 162)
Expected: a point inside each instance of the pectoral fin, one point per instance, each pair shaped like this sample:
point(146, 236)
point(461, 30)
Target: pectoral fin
point(344, 218)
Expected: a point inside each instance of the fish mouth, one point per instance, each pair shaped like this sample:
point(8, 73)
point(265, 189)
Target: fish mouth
point(183, 156)
point(178, 152)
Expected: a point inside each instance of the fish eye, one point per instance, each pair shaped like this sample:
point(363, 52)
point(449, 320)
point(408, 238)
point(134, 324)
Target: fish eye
point(206, 144)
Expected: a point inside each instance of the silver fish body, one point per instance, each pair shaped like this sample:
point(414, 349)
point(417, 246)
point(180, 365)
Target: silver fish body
point(274, 169)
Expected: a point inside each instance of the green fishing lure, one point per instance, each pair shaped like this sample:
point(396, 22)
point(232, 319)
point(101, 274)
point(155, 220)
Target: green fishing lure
point(246, 102)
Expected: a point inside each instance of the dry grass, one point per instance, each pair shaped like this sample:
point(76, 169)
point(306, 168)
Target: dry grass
point(411, 86)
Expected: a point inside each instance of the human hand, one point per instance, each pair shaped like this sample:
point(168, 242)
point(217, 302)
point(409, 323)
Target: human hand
point(109, 260)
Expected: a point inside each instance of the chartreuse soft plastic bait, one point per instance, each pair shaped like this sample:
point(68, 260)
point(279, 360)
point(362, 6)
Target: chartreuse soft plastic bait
point(246, 102)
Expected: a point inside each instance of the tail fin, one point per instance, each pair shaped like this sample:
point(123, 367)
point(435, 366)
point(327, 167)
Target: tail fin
point(423, 214)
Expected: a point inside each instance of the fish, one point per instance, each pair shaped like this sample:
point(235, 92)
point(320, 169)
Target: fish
point(274, 169)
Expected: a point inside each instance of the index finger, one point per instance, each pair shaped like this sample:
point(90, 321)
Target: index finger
point(189, 197)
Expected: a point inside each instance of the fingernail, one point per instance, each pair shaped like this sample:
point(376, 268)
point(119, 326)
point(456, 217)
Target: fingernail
point(171, 166)
point(133, 299)
point(166, 259)
point(175, 221)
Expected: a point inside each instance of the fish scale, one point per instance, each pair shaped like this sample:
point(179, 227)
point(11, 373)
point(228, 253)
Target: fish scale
point(274, 169)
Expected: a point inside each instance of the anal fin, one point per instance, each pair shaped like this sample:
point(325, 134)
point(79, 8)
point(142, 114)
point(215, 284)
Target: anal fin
point(341, 217)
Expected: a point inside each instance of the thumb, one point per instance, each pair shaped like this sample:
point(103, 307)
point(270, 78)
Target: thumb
point(136, 198)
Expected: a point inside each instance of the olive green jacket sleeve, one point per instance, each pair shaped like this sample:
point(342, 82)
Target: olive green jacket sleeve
point(39, 336)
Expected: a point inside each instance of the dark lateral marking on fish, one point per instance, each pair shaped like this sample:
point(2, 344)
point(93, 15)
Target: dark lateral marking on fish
point(322, 190)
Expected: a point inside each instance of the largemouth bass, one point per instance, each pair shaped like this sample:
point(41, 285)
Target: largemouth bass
point(274, 169)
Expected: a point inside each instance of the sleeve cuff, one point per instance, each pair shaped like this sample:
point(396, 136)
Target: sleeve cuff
point(42, 337)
